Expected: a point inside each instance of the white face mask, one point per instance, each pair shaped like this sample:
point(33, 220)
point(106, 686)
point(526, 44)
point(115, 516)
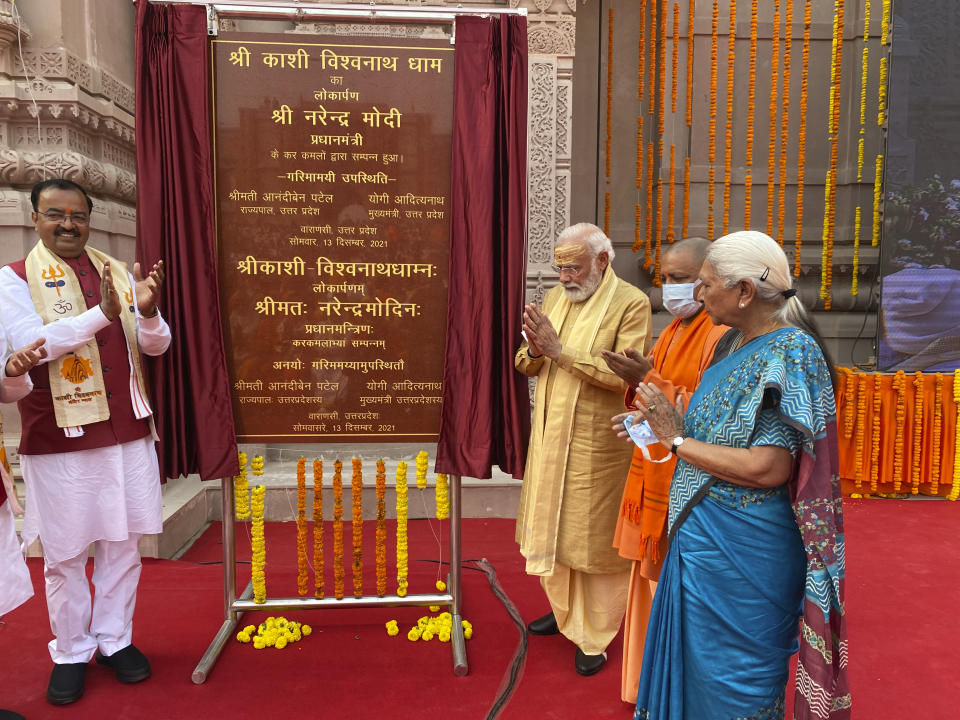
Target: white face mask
point(678, 299)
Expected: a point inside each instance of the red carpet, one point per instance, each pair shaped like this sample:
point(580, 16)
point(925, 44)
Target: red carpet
point(903, 578)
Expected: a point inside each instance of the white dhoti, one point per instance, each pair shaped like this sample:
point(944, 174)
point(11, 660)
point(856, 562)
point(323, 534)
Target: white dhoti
point(589, 607)
point(15, 585)
point(109, 496)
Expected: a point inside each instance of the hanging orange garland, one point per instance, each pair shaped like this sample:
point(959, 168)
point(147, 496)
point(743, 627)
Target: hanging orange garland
point(691, 12)
point(785, 120)
point(642, 50)
point(661, 114)
point(318, 528)
point(875, 435)
point(917, 432)
point(652, 83)
point(648, 252)
point(685, 230)
point(861, 427)
point(833, 132)
point(357, 527)
point(338, 573)
point(609, 87)
point(900, 386)
point(937, 431)
point(302, 577)
point(676, 57)
point(751, 106)
point(849, 406)
point(381, 541)
point(637, 217)
point(712, 129)
point(670, 198)
point(728, 156)
point(802, 136)
point(772, 112)
point(955, 486)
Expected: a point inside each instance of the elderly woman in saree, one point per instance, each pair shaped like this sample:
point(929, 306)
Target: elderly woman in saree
point(754, 568)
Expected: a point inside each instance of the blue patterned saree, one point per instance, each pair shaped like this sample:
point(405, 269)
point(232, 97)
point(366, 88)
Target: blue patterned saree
point(753, 575)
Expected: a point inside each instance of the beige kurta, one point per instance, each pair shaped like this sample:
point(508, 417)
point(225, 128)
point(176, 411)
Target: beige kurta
point(576, 465)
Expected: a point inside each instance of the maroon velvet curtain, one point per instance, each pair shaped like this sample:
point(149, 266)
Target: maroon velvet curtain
point(486, 408)
point(189, 384)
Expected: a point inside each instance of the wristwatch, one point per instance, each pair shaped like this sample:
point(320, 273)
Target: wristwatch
point(677, 442)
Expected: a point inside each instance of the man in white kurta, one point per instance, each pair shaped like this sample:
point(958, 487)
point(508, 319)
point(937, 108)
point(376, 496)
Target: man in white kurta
point(87, 447)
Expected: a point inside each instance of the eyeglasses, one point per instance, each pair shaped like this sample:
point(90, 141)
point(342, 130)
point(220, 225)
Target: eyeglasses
point(572, 269)
point(55, 216)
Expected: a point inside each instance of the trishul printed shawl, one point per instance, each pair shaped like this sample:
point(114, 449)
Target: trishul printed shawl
point(789, 363)
point(76, 378)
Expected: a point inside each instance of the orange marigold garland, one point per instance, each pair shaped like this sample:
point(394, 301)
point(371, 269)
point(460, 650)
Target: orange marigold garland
point(381, 529)
point(875, 435)
point(833, 132)
point(849, 406)
point(712, 128)
point(785, 119)
point(670, 199)
point(772, 112)
point(691, 12)
point(685, 229)
point(676, 57)
point(955, 486)
point(648, 252)
point(609, 87)
point(302, 578)
point(258, 546)
point(937, 432)
point(802, 135)
point(728, 156)
point(900, 386)
point(661, 112)
point(338, 573)
point(917, 432)
point(751, 106)
point(642, 50)
point(318, 528)
point(402, 549)
point(357, 526)
point(861, 428)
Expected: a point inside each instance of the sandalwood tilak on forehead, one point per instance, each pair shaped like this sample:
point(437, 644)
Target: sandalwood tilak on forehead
point(565, 254)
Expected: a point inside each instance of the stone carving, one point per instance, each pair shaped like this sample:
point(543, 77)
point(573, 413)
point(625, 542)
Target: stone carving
point(541, 169)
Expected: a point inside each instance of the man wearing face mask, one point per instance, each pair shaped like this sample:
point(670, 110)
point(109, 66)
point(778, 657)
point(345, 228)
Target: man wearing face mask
point(679, 357)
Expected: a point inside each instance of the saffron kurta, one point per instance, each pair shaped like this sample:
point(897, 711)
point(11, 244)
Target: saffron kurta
point(576, 466)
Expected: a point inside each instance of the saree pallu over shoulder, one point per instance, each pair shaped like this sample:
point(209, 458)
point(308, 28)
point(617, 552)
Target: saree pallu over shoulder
point(785, 370)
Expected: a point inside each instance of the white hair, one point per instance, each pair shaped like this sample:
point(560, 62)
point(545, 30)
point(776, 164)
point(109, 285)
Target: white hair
point(595, 239)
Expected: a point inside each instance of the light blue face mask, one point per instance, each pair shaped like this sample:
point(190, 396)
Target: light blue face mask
point(678, 299)
point(642, 435)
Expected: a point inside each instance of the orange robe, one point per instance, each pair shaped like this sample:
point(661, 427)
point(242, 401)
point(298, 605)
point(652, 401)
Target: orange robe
point(680, 355)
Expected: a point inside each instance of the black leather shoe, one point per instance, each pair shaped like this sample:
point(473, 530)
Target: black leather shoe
point(547, 625)
point(589, 664)
point(10, 715)
point(66, 683)
point(129, 665)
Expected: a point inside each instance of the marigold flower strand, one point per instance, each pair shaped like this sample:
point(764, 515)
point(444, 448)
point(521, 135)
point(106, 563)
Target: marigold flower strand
point(917, 433)
point(728, 154)
point(318, 528)
point(785, 120)
point(676, 57)
point(302, 578)
point(861, 428)
point(648, 253)
point(877, 200)
point(670, 199)
point(955, 486)
point(772, 112)
point(258, 546)
point(802, 135)
point(402, 549)
point(357, 526)
point(875, 435)
point(685, 229)
point(712, 127)
point(381, 547)
point(241, 489)
point(443, 497)
point(937, 432)
point(900, 386)
point(642, 50)
point(751, 106)
point(691, 12)
point(338, 571)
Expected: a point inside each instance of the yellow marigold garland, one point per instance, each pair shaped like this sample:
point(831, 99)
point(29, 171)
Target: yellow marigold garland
point(877, 200)
point(258, 546)
point(802, 135)
point(855, 269)
point(917, 432)
point(864, 66)
point(875, 435)
point(302, 526)
point(728, 154)
point(712, 127)
point(443, 497)
point(357, 526)
point(381, 540)
point(318, 528)
point(882, 94)
point(861, 427)
point(900, 386)
point(772, 113)
point(338, 572)
point(955, 487)
point(402, 549)
point(833, 132)
point(937, 432)
point(256, 465)
point(241, 489)
point(422, 461)
point(785, 119)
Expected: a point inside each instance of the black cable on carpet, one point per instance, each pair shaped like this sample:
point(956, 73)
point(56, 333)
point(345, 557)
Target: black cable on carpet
point(512, 677)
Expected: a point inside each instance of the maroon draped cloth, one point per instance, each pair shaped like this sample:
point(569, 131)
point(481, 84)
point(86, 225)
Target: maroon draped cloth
point(486, 408)
point(190, 388)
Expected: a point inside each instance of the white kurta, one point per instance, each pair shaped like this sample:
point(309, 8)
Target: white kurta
point(76, 498)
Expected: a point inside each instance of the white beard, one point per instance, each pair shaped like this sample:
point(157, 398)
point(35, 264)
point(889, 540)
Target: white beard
point(577, 293)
